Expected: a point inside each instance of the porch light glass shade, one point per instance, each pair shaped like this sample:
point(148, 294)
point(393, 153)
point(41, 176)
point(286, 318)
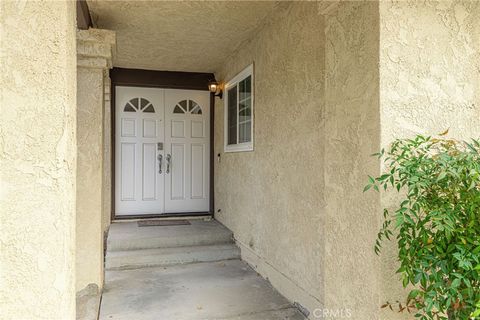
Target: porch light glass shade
point(213, 87)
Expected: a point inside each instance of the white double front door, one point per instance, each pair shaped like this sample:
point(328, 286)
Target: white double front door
point(162, 151)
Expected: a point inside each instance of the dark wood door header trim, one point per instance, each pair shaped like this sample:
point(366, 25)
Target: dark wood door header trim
point(161, 79)
point(84, 21)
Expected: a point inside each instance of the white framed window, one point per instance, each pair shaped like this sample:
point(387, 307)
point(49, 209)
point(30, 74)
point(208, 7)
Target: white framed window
point(239, 112)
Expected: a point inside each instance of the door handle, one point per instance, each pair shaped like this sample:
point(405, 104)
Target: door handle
point(159, 157)
point(169, 158)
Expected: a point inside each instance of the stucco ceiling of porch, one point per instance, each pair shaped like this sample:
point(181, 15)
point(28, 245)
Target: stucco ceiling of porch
point(178, 35)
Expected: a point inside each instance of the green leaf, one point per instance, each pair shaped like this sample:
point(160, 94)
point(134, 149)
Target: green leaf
point(429, 304)
point(472, 185)
point(413, 294)
point(441, 176)
point(456, 283)
point(417, 278)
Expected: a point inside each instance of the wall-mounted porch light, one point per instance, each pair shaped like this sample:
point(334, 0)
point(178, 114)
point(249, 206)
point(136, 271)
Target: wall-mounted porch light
point(215, 88)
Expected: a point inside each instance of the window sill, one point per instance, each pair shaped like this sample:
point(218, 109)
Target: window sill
point(244, 147)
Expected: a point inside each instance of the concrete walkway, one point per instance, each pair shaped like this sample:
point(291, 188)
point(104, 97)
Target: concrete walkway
point(175, 283)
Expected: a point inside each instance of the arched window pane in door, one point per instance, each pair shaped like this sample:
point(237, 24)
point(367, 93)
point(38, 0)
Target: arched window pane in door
point(149, 109)
point(139, 105)
point(178, 110)
point(129, 108)
point(144, 103)
point(187, 106)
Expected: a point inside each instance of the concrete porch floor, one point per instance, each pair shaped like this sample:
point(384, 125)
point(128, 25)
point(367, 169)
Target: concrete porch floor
point(210, 282)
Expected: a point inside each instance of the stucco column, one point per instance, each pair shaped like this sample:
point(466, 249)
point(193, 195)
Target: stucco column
point(107, 154)
point(37, 159)
point(94, 57)
point(352, 134)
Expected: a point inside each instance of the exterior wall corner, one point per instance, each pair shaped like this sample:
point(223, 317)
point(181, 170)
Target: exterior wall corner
point(95, 49)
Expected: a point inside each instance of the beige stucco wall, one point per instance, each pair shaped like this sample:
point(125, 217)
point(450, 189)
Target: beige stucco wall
point(352, 133)
point(389, 69)
point(272, 198)
point(94, 50)
point(429, 67)
point(429, 82)
point(38, 155)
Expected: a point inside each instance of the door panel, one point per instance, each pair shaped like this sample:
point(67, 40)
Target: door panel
point(197, 129)
point(128, 171)
point(178, 129)
point(128, 127)
point(177, 171)
point(187, 140)
point(148, 172)
point(198, 168)
point(139, 185)
point(149, 128)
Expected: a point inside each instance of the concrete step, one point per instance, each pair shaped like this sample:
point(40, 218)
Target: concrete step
point(130, 259)
point(128, 236)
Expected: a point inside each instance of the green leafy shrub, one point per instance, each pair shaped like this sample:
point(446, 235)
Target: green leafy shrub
point(436, 224)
